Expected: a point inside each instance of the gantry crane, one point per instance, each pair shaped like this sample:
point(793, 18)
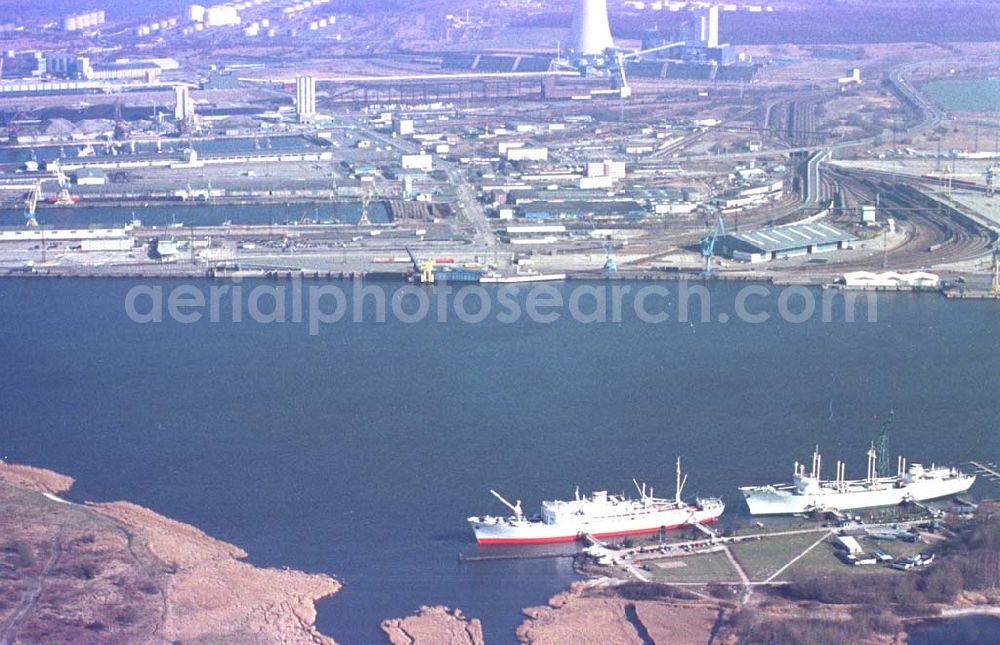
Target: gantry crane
point(425, 269)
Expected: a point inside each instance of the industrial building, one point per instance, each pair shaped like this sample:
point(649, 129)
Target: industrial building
point(146, 70)
point(417, 162)
point(82, 21)
point(695, 53)
point(606, 168)
point(578, 209)
point(305, 98)
point(526, 154)
point(533, 234)
point(785, 241)
point(90, 177)
point(68, 66)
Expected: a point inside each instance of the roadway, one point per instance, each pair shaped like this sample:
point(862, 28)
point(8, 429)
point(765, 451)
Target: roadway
point(470, 208)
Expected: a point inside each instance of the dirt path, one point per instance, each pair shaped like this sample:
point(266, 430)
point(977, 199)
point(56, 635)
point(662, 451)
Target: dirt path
point(8, 630)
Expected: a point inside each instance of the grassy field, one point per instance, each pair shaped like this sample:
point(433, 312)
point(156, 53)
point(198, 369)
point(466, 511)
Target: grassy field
point(761, 558)
point(708, 567)
point(823, 560)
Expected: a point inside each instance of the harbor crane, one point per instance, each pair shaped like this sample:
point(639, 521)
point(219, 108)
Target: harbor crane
point(31, 203)
point(610, 264)
point(708, 244)
point(63, 198)
point(423, 269)
point(882, 447)
point(366, 199)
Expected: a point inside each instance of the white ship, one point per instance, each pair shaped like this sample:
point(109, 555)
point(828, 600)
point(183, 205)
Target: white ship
point(600, 515)
point(523, 276)
point(807, 493)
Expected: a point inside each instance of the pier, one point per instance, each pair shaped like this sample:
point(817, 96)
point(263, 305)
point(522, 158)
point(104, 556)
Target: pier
point(513, 556)
point(990, 470)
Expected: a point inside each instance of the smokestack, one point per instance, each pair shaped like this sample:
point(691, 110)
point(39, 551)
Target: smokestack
point(713, 27)
point(591, 33)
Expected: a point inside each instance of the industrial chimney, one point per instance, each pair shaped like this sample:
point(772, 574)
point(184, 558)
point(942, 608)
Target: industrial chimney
point(591, 33)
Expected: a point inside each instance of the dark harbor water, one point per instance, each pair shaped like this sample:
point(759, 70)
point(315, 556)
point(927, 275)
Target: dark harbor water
point(168, 146)
point(971, 630)
point(979, 95)
point(164, 214)
point(361, 450)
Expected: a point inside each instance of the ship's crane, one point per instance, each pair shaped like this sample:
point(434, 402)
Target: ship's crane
point(882, 447)
point(518, 514)
point(708, 244)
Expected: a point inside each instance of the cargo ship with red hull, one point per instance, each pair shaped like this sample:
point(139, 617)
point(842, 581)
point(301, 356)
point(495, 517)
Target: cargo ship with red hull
point(599, 515)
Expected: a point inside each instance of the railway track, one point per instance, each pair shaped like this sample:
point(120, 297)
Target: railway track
point(935, 233)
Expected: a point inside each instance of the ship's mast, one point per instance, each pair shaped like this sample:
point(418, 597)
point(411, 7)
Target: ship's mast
point(871, 462)
point(680, 482)
point(817, 463)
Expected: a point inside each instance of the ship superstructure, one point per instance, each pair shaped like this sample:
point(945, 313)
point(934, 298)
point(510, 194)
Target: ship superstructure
point(599, 514)
point(808, 492)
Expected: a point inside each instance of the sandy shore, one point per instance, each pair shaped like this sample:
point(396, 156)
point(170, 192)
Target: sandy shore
point(87, 573)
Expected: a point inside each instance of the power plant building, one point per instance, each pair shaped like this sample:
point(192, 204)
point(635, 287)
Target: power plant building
point(183, 105)
point(709, 20)
point(591, 32)
point(305, 98)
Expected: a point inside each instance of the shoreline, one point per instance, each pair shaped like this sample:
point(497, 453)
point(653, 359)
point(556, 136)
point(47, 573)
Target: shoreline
point(155, 578)
point(276, 275)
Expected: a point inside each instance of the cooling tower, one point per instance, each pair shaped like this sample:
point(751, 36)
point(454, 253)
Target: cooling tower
point(591, 34)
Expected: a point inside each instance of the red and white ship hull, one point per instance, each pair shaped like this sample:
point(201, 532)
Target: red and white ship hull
point(510, 530)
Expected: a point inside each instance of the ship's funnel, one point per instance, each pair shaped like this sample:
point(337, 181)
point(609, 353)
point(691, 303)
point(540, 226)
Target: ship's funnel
point(591, 33)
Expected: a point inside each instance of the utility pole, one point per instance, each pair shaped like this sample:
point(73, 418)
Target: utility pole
point(885, 248)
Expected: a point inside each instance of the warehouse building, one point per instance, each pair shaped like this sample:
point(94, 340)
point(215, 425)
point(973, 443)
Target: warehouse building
point(783, 242)
point(890, 280)
point(90, 177)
